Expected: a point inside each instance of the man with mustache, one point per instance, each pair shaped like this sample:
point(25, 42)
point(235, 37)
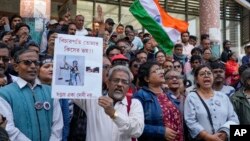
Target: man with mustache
point(113, 117)
point(31, 113)
point(218, 70)
point(5, 77)
point(71, 29)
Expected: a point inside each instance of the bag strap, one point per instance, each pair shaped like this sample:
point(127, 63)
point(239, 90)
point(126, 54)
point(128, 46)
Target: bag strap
point(208, 112)
point(129, 100)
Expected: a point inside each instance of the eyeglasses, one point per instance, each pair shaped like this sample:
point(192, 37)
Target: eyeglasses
point(178, 66)
point(4, 59)
point(29, 62)
point(206, 73)
point(136, 65)
point(173, 77)
point(117, 80)
point(158, 71)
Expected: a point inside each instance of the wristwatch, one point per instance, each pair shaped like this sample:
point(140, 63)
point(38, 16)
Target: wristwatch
point(115, 115)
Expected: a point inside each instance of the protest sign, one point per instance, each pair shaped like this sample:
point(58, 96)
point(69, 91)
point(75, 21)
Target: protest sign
point(77, 71)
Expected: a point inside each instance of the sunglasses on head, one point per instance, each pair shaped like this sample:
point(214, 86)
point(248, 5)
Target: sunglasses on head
point(4, 59)
point(29, 62)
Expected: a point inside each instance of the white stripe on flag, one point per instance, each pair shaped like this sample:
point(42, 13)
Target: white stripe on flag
point(173, 34)
point(152, 9)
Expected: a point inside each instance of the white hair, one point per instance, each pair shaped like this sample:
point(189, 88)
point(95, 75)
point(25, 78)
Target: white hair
point(120, 68)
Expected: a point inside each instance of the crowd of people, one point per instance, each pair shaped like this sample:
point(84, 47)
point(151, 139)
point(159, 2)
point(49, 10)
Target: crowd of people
point(148, 95)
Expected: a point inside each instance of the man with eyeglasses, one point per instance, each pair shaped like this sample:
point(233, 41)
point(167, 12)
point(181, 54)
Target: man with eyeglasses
point(5, 77)
point(31, 113)
point(113, 117)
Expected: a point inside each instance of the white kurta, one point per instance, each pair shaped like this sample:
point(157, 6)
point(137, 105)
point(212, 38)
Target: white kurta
point(100, 127)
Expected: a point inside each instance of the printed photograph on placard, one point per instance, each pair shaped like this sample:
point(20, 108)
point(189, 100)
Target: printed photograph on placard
point(70, 70)
point(92, 69)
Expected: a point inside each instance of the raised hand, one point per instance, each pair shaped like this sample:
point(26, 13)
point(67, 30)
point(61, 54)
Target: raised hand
point(107, 103)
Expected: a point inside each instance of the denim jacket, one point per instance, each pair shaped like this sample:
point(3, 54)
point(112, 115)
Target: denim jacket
point(154, 129)
point(66, 118)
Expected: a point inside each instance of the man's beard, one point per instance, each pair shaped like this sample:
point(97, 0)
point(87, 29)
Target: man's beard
point(118, 96)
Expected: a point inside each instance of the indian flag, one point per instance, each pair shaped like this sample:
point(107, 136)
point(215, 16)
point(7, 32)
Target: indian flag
point(165, 29)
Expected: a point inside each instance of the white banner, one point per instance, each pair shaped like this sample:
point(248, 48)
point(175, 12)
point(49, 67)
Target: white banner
point(77, 67)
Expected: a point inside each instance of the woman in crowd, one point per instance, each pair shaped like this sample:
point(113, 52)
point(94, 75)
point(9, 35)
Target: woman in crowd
point(45, 76)
point(46, 69)
point(206, 56)
point(174, 80)
point(232, 67)
point(163, 120)
point(208, 114)
point(148, 48)
point(160, 58)
point(178, 66)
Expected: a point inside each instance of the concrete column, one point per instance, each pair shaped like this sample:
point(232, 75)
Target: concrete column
point(209, 15)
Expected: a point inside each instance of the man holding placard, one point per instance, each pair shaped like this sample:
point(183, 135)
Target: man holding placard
point(113, 117)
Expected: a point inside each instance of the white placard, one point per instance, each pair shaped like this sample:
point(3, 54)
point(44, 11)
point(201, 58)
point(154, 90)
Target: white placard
point(78, 67)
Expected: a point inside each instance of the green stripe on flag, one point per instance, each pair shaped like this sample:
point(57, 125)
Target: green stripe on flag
point(152, 27)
